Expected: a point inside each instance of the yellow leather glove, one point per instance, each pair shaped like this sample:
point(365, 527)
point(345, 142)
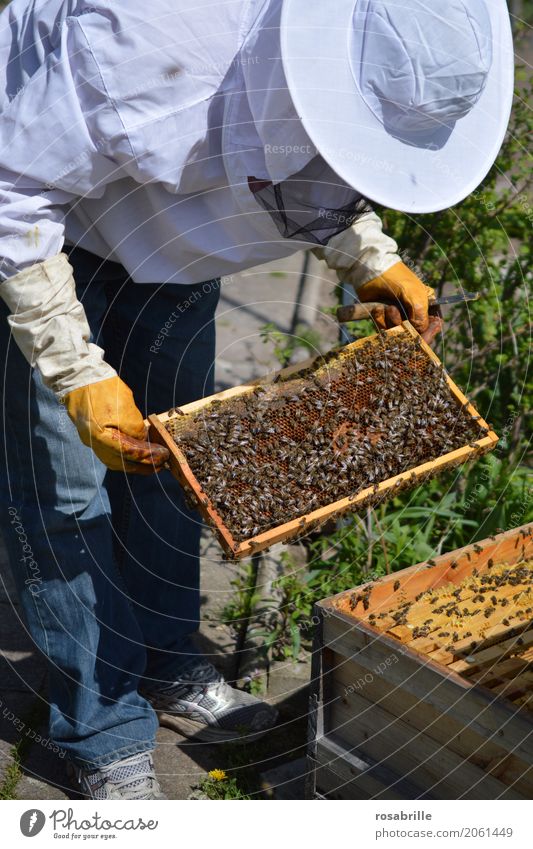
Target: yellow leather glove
point(109, 422)
point(398, 284)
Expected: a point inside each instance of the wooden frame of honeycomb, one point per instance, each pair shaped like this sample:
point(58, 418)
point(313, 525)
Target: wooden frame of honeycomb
point(302, 525)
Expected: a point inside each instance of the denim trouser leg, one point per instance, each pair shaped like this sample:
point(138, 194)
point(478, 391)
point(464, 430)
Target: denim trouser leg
point(158, 535)
point(56, 520)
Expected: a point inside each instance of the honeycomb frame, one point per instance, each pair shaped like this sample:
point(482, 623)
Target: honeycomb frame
point(300, 526)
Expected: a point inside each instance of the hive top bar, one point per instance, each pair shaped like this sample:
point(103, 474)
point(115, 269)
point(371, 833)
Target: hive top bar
point(457, 617)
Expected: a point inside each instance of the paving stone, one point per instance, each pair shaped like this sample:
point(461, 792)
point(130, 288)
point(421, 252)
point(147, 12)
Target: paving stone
point(261, 296)
point(17, 715)
point(35, 788)
point(288, 688)
point(6, 758)
point(180, 764)
point(21, 666)
point(286, 781)
point(215, 639)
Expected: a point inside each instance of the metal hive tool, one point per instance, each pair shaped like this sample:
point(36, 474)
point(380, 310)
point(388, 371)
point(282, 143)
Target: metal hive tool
point(282, 397)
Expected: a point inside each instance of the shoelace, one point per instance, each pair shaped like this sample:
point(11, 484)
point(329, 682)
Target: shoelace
point(132, 782)
point(140, 781)
point(203, 674)
point(214, 688)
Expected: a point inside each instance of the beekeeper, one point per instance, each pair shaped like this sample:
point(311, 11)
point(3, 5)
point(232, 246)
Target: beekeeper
point(146, 150)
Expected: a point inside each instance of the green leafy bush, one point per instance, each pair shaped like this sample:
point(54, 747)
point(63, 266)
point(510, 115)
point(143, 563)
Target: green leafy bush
point(483, 245)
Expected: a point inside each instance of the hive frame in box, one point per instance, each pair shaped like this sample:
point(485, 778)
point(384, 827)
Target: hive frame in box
point(389, 730)
point(303, 525)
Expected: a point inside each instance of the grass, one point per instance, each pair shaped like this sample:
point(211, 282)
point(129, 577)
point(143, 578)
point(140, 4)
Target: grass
point(20, 750)
point(13, 774)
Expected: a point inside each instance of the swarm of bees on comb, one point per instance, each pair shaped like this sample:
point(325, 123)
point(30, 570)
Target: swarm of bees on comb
point(503, 595)
point(480, 627)
point(326, 433)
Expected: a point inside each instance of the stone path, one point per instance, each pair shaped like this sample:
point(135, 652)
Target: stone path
point(248, 302)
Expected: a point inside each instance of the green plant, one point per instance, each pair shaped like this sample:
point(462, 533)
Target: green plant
point(241, 605)
point(12, 775)
point(218, 786)
point(286, 344)
point(284, 634)
point(255, 684)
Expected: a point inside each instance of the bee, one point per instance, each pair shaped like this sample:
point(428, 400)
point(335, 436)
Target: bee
point(396, 585)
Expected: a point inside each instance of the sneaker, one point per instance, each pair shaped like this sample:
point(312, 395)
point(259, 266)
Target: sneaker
point(202, 705)
point(130, 778)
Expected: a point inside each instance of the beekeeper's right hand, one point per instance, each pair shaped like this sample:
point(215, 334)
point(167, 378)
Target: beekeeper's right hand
point(50, 327)
point(110, 423)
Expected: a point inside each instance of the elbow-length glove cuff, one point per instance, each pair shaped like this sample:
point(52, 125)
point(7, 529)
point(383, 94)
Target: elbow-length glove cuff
point(360, 253)
point(50, 327)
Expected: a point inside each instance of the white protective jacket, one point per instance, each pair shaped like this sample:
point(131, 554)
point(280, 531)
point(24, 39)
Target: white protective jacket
point(130, 129)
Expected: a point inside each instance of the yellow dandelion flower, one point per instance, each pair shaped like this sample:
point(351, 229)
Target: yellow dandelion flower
point(217, 774)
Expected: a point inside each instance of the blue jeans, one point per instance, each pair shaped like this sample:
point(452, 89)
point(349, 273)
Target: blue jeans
point(106, 564)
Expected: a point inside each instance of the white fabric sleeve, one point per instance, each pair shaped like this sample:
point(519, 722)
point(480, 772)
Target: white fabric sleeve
point(50, 327)
point(361, 252)
point(31, 223)
point(57, 137)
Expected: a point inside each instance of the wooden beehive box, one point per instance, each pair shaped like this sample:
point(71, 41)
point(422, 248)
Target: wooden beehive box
point(300, 525)
point(391, 722)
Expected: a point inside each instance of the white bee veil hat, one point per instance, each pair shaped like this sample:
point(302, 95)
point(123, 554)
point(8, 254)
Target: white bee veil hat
point(407, 100)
